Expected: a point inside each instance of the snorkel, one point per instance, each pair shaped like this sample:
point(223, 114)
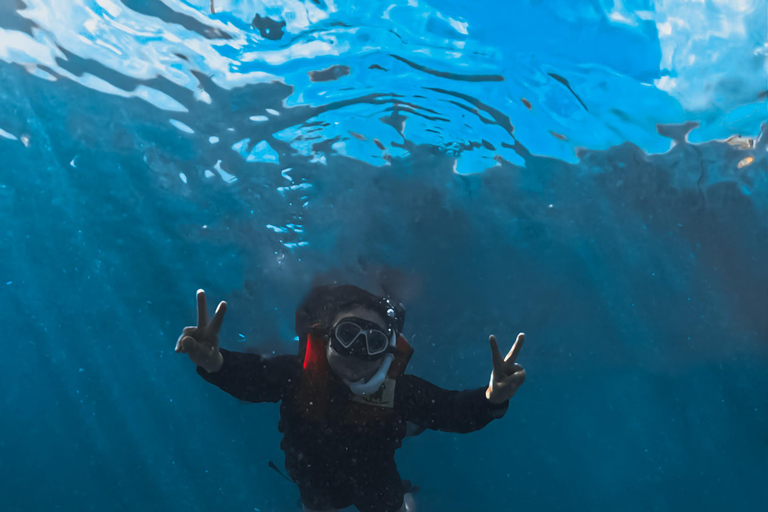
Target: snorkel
point(361, 387)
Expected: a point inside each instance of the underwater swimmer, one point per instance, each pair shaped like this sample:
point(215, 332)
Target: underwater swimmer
point(346, 402)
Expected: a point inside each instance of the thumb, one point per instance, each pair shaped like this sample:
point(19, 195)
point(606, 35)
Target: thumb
point(196, 351)
point(516, 379)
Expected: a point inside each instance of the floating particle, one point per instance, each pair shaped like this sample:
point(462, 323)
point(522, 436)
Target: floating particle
point(740, 142)
point(558, 135)
point(745, 162)
point(7, 135)
point(181, 126)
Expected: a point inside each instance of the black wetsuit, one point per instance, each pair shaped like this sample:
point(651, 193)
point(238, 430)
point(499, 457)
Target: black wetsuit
point(339, 465)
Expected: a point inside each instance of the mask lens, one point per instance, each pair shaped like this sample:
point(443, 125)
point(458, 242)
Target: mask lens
point(377, 342)
point(346, 333)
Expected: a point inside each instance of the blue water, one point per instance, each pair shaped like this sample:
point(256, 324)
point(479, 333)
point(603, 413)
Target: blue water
point(500, 166)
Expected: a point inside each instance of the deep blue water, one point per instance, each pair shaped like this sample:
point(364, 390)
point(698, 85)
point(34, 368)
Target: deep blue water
point(500, 166)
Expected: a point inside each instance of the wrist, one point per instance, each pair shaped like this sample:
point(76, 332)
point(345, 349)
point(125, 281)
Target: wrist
point(493, 398)
point(217, 361)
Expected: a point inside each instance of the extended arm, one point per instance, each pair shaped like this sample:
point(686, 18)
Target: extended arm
point(463, 411)
point(249, 377)
point(252, 377)
point(435, 408)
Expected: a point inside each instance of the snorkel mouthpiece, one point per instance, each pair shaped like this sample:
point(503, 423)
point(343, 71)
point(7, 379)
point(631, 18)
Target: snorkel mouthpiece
point(362, 388)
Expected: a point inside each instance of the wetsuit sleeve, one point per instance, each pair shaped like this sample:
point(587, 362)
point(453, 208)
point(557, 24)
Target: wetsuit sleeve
point(435, 408)
point(252, 377)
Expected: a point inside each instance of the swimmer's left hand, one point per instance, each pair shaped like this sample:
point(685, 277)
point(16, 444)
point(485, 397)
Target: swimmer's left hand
point(507, 375)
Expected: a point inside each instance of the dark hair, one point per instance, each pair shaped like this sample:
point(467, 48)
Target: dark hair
point(324, 302)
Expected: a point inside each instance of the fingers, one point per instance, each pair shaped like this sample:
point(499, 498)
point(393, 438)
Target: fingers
point(498, 362)
point(516, 379)
point(196, 351)
point(180, 344)
point(202, 310)
point(187, 331)
point(515, 350)
point(218, 318)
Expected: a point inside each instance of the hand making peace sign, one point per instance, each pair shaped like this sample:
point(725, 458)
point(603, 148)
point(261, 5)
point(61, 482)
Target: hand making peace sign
point(507, 375)
point(201, 342)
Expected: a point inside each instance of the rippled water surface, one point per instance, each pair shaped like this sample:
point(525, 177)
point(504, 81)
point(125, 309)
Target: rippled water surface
point(590, 172)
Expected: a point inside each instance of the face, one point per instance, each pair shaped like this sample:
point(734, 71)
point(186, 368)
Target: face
point(351, 368)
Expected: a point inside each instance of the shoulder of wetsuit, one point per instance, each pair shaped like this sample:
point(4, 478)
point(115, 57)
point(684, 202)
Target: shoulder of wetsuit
point(403, 354)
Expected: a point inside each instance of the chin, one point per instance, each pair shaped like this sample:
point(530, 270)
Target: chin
point(361, 370)
point(350, 368)
point(355, 376)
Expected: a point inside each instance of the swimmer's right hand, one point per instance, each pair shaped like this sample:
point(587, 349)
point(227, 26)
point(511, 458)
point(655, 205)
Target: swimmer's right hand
point(201, 342)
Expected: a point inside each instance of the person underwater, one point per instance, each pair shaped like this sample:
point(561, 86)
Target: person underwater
point(346, 402)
